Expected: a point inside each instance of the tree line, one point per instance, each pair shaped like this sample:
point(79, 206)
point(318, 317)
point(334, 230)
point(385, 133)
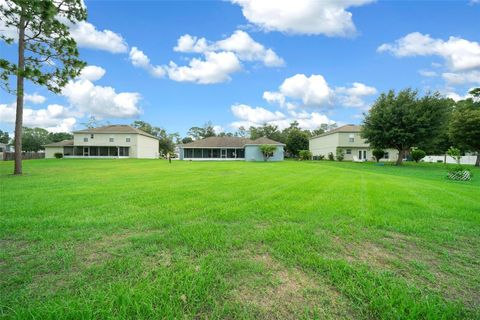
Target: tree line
point(433, 123)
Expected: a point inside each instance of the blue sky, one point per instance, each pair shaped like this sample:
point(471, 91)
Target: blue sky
point(273, 69)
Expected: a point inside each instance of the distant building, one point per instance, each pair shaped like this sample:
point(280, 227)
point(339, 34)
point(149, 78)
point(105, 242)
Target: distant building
point(6, 147)
point(113, 141)
point(346, 138)
point(229, 148)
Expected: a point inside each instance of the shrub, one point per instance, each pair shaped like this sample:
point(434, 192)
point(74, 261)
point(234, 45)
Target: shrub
point(418, 154)
point(267, 150)
point(321, 157)
point(455, 154)
point(58, 155)
point(340, 154)
point(305, 154)
point(331, 157)
point(378, 154)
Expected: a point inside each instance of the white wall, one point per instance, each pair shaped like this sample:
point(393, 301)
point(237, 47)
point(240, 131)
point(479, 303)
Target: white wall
point(147, 147)
point(50, 151)
point(463, 160)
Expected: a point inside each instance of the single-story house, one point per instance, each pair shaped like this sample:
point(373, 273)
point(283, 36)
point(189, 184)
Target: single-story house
point(112, 141)
point(348, 139)
point(229, 148)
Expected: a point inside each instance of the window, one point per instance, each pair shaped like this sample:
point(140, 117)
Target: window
point(351, 137)
point(124, 151)
point(127, 139)
point(85, 139)
point(91, 136)
point(240, 153)
point(385, 155)
point(188, 153)
point(110, 139)
point(349, 151)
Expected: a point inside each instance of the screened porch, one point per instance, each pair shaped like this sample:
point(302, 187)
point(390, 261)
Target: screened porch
point(100, 152)
point(214, 153)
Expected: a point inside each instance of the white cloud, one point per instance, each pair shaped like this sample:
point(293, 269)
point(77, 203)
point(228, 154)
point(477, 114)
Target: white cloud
point(55, 118)
point(34, 98)
point(328, 17)
point(256, 116)
point(216, 68)
point(428, 73)
point(218, 129)
point(460, 78)
point(354, 96)
point(312, 90)
point(92, 73)
point(459, 54)
point(240, 43)
point(188, 43)
point(86, 35)
point(100, 101)
point(140, 60)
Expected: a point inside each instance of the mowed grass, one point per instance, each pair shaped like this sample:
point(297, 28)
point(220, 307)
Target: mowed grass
point(144, 239)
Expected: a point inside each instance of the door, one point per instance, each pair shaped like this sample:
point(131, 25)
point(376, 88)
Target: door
point(85, 151)
point(362, 155)
point(223, 153)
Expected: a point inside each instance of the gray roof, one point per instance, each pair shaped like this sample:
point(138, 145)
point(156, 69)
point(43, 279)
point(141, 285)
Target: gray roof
point(346, 128)
point(63, 143)
point(228, 142)
point(116, 128)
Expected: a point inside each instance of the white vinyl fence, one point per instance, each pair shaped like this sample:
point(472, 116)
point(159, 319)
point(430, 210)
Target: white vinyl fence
point(463, 160)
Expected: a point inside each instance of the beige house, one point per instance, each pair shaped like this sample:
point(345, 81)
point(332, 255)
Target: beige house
point(113, 141)
point(348, 139)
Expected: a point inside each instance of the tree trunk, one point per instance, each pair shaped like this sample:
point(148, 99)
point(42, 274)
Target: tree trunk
point(400, 157)
point(477, 163)
point(20, 85)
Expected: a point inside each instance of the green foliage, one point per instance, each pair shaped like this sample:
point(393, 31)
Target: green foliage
point(267, 130)
point(418, 154)
point(187, 140)
point(58, 155)
point(167, 141)
point(4, 137)
point(305, 154)
point(455, 153)
point(340, 154)
point(330, 156)
point(296, 140)
point(378, 154)
point(198, 133)
point(33, 139)
point(59, 136)
point(464, 129)
point(404, 120)
point(267, 150)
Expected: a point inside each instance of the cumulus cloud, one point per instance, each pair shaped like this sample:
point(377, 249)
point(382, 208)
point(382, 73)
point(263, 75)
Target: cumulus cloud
point(34, 98)
point(459, 54)
point(328, 17)
point(88, 36)
point(460, 78)
point(215, 68)
point(54, 117)
point(428, 73)
point(354, 96)
point(240, 43)
point(256, 116)
point(140, 60)
point(100, 101)
point(312, 90)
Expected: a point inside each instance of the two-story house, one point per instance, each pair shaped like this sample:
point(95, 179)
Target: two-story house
point(348, 139)
point(113, 141)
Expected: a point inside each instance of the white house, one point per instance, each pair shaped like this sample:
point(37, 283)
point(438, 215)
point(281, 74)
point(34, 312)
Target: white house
point(346, 138)
point(113, 141)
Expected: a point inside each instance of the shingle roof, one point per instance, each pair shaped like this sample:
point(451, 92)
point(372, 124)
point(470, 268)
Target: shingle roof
point(227, 142)
point(116, 128)
point(63, 143)
point(345, 128)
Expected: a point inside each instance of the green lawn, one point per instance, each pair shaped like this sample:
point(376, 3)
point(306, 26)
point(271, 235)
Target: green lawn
point(102, 239)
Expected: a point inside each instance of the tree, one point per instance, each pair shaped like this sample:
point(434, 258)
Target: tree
point(4, 137)
point(418, 154)
point(404, 120)
point(296, 140)
point(59, 136)
point(267, 150)
point(167, 141)
point(92, 122)
point(378, 154)
point(187, 140)
point(464, 129)
point(47, 54)
point(241, 132)
point(206, 131)
point(33, 139)
point(267, 130)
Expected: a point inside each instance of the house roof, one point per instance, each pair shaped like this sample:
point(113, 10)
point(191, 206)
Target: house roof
point(116, 128)
point(346, 128)
point(63, 143)
point(228, 142)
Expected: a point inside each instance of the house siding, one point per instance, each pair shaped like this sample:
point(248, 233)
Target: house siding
point(50, 151)
point(146, 147)
point(253, 153)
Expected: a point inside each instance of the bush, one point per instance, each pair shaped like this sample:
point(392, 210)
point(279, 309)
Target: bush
point(455, 154)
point(418, 155)
point(58, 155)
point(378, 154)
point(460, 173)
point(321, 157)
point(305, 154)
point(340, 154)
point(331, 157)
